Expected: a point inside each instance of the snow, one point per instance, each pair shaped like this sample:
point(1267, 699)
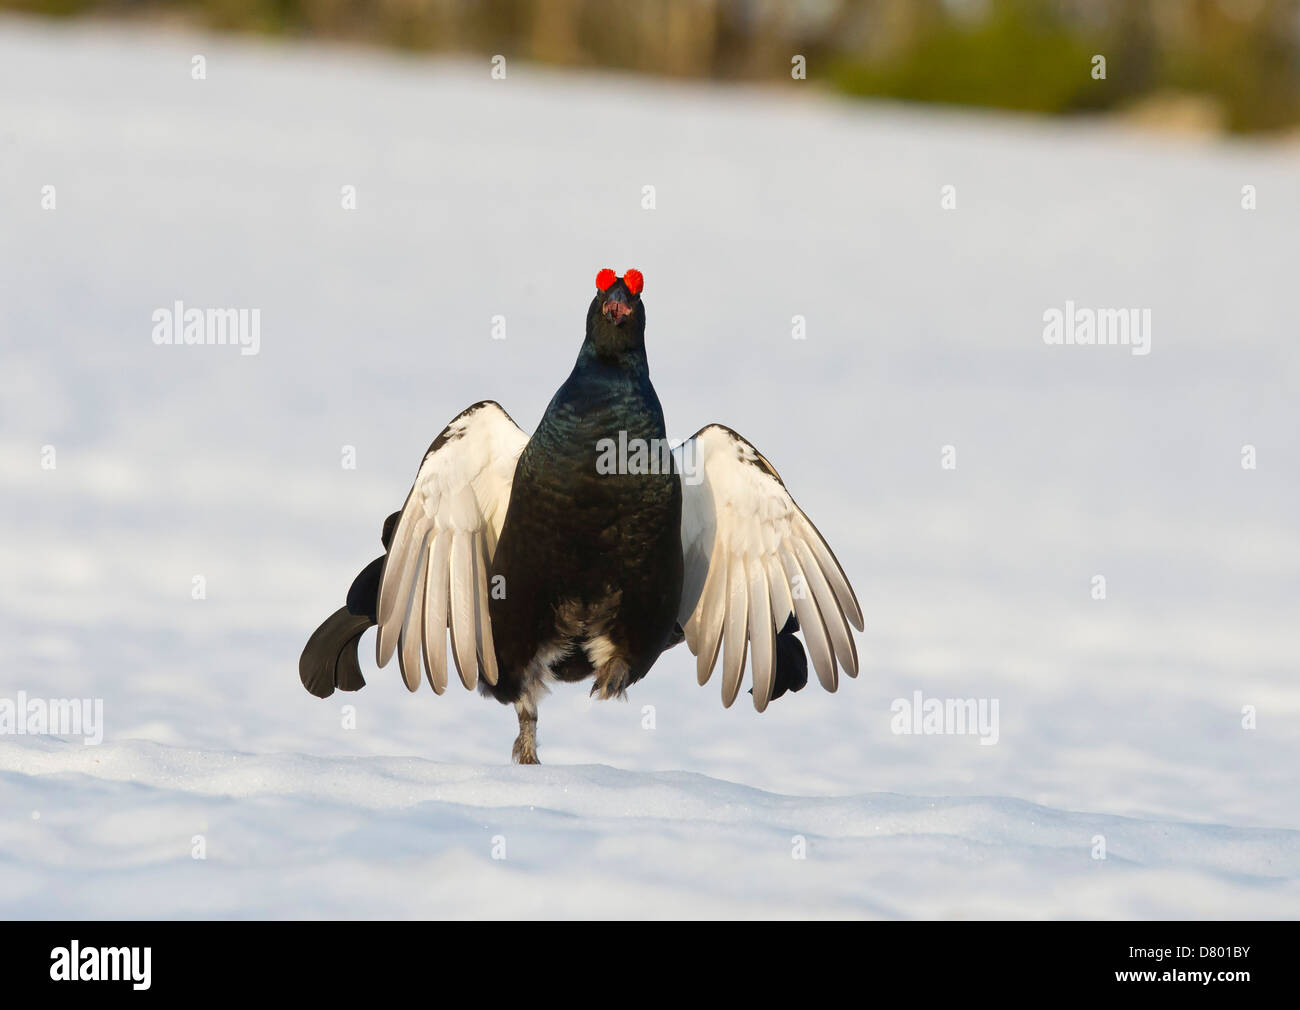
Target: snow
point(477, 198)
point(297, 835)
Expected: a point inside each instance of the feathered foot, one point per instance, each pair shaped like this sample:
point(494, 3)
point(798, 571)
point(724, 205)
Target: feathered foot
point(525, 749)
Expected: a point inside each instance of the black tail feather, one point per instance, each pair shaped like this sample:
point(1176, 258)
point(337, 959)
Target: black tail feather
point(390, 526)
point(363, 597)
point(329, 659)
point(791, 661)
point(791, 673)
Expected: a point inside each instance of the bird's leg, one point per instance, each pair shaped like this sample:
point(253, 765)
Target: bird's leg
point(525, 749)
point(611, 679)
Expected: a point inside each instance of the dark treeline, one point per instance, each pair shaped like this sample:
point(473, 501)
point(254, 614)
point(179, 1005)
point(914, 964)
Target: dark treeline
point(1240, 58)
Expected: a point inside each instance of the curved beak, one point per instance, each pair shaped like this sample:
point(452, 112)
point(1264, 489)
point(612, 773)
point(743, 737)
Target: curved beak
point(616, 307)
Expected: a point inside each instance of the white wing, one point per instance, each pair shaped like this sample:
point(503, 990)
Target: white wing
point(751, 559)
point(435, 573)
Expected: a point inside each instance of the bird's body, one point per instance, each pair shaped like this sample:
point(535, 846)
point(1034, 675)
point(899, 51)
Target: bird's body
point(568, 555)
point(589, 563)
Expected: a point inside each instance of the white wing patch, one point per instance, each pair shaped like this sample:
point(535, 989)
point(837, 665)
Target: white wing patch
point(751, 559)
point(436, 572)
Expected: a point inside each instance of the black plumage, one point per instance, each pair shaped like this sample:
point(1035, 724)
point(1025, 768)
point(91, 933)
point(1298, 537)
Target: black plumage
point(329, 659)
point(585, 554)
point(791, 661)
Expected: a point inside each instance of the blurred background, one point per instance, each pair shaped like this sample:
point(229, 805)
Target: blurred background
point(1183, 64)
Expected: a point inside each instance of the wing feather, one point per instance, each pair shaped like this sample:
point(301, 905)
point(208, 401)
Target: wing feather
point(435, 574)
point(761, 633)
point(463, 633)
point(408, 655)
point(778, 590)
point(483, 640)
point(435, 615)
point(810, 621)
point(735, 630)
point(830, 567)
point(846, 654)
point(752, 558)
point(395, 595)
point(704, 629)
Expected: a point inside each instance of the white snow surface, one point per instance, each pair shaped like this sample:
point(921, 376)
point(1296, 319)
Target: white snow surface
point(1120, 718)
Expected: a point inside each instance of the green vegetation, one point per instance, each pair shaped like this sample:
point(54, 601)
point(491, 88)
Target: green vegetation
point(1018, 57)
point(1025, 55)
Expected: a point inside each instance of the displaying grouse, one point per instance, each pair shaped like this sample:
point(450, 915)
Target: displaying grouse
point(590, 548)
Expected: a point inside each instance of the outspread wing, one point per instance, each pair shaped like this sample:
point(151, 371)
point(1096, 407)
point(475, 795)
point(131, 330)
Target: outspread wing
point(751, 559)
point(435, 575)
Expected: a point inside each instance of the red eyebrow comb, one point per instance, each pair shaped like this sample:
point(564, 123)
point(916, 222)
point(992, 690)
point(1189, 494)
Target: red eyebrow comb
point(605, 278)
point(634, 281)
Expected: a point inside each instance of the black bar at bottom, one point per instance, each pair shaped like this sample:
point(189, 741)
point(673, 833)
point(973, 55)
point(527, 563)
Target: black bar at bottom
point(336, 959)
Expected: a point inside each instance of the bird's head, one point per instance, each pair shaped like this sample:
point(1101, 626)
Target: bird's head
point(616, 318)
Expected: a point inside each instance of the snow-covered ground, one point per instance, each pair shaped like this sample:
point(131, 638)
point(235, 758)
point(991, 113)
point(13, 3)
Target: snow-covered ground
point(1119, 718)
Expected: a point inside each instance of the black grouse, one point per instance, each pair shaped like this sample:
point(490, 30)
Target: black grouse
point(591, 548)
